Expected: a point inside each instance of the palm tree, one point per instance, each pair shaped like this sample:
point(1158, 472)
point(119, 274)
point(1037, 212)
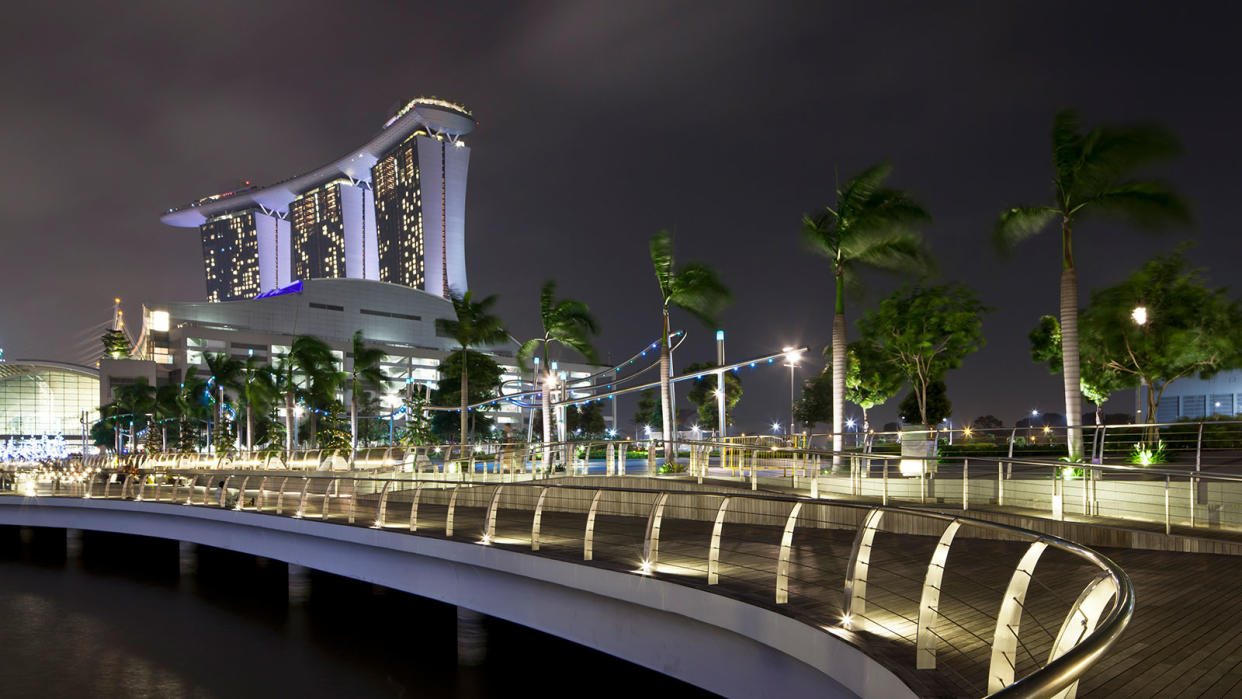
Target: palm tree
point(310, 358)
point(165, 408)
point(474, 326)
point(1095, 174)
point(257, 389)
point(189, 403)
point(568, 323)
point(226, 373)
point(696, 289)
point(365, 374)
point(136, 400)
point(868, 226)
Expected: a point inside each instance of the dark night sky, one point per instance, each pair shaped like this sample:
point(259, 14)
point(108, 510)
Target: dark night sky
point(599, 123)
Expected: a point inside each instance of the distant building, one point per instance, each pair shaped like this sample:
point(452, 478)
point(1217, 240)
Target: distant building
point(41, 398)
point(1194, 398)
point(393, 210)
point(399, 320)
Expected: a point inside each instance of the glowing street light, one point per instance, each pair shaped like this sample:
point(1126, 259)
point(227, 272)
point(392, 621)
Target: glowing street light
point(792, 355)
point(1139, 316)
point(776, 427)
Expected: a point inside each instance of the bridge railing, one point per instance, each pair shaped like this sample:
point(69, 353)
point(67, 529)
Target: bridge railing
point(1011, 612)
point(1193, 493)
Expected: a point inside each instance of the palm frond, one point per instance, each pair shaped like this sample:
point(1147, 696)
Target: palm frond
point(1111, 153)
point(898, 251)
point(1019, 223)
point(662, 260)
point(862, 187)
point(1147, 204)
point(821, 234)
point(698, 290)
point(1067, 145)
point(547, 296)
point(527, 350)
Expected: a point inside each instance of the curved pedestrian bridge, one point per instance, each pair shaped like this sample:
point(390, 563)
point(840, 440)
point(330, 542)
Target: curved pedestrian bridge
point(737, 592)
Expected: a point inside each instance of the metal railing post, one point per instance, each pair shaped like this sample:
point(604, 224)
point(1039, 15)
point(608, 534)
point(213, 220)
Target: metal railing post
point(965, 484)
point(651, 550)
point(884, 500)
point(1168, 528)
point(713, 549)
point(588, 538)
point(782, 562)
point(929, 602)
point(537, 520)
point(1005, 638)
point(1000, 484)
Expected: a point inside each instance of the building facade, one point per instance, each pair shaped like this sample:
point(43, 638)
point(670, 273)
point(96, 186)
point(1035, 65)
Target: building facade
point(397, 319)
point(41, 399)
point(392, 210)
point(1193, 398)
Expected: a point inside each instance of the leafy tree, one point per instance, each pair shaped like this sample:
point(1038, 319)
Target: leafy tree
point(1189, 329)
point(987, 422)
point(473, 326)
point(586, 419)
point(1098, 381)
point(815, 403)
point(933, 408)
point(367, 374)
point(417, 430)
point(924, 332)
point(568, 323)
point(648, 411)
point(116, 345)
point(869, 380)
point(484, 385)
point(103, 432)
point(1095, 173)
point(696, 289)
point(702, 393)
point(868, 226)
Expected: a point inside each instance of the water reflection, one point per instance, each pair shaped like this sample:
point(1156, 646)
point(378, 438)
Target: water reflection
point(120, 620)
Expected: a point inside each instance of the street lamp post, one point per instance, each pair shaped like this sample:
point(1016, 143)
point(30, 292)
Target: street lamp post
point(791, 357)
point(1139, 316)
point(720, 386)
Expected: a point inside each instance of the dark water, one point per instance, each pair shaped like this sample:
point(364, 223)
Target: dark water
point(119, 620)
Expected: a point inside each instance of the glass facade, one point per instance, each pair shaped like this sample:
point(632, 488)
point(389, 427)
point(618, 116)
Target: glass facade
point(231, 257)
point(37, 400)
point(317, 233)
point(399, 215)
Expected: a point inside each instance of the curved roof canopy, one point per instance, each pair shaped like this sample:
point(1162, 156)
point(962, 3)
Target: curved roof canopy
point(26, 367)
point(436, 116)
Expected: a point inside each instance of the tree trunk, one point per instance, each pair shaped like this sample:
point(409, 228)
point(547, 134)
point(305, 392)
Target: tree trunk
point(353, 419)
point(289, 431)
point(1070, 359)
point(666, 392)
point(249, 429)
point(546, 402)
point(465, 361)
point(838, 380)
